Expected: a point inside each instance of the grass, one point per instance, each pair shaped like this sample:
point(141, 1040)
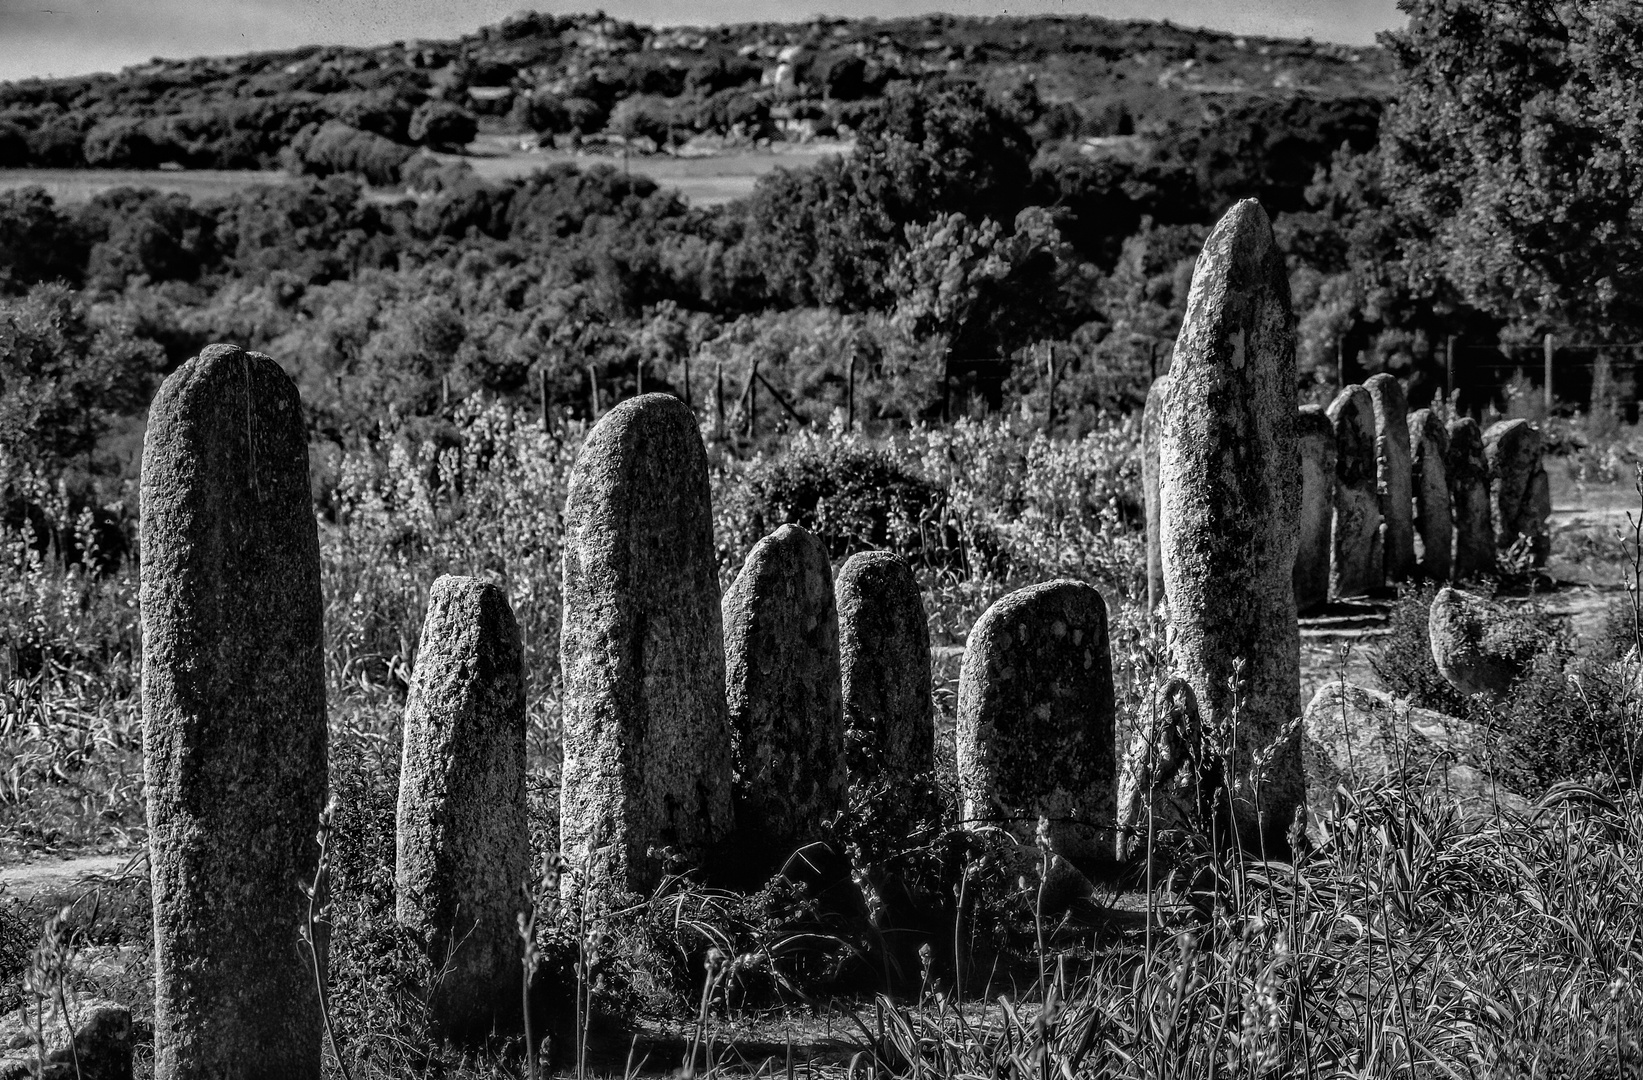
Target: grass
point(1407, 938)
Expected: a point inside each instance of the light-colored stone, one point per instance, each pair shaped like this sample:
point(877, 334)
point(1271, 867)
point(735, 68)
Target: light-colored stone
point(462, 848)
point(1480, 647)
point(93, 1042)
point(783, 690)
point(1354, 546)
point(1035, 719)
point(1429, 475)
point(1354, 737)
point(234, 727)
point(1316, 438)
point(1229, 493)
point(1474, 550)
point(1392, 478)
point(884, 655)
point(647, 743)
point(1149, 489)
point(1164, 779)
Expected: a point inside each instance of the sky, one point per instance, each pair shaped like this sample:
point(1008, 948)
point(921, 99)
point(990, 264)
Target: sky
point(71, 37)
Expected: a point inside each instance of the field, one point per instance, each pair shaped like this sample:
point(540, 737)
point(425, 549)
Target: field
point(708, 180)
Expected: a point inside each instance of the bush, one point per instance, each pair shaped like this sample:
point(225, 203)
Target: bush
point(334, 147)
point(440, 125)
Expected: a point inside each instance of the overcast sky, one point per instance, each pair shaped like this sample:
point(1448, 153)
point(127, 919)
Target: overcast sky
point(67, 37)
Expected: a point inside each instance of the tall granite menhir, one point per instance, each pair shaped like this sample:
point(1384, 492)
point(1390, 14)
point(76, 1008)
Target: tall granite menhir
point(1520, 498)
point(1316, 438)
point(234, 718)
point(1229, 493)
point(884, 656)
point(1397, 538)
point(1468, 467)
point(782, 688)
point(1035, 719)
point(1354, 545)
point(463, 846)
point(1429, 478)
point(647, 751)
point(1149, 489)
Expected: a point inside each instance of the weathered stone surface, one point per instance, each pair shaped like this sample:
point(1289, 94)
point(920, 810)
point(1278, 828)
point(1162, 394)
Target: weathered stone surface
point(462, 850)
point(884, 655)
point(647, 744)
point(1229, 492)
point(1392, 479)
point(1149, 490)
point(1536, 520)
point(1429, 475)
point(1480, 647)
point(1353, 736)
point(1035, 718)
point(1469, 501)
point(234, 718)
point(1513, 450)
point(95, 1046)
point(783, 689)
point(1354, 546)
point(1163, 782)
point(1316, 438)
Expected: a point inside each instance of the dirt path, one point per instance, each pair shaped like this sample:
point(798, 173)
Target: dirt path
point(60, 877)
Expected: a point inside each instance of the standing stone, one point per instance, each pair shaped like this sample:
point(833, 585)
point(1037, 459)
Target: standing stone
point(463, 847)
point(1480, 647)
point(234, 718)
point(1392, 478)
point(1354, 542)
point(1536, 520)
point(1469, 501)
point(1316, 437)
point(1035, 719)
point(1513, 450)
point(647, 744)
point(1229, 491)
point(1429, 476)
point(782, 687)
point(884, 654)
point(1149, 490)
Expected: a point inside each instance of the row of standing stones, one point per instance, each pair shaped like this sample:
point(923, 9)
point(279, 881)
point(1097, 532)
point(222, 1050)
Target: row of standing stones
point(695, 726)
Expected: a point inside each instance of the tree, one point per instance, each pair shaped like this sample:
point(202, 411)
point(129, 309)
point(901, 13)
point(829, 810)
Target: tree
point(1515, 151)
point(441, 125)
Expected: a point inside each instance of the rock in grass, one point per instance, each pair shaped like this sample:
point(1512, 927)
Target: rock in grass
point(783, 691)
point(1429, 476)
point(884, 654)
point(1354, 545)
point(1354, 738)
point(1392, 454)
point(1229, 491)
point(1035, 719)
point(234, 718)
point(1316, 437)
point(647, 744)
point(1480, 647)
point(1149, 490)
point(462, 849)
point(1468, 467)
point(93, 1042)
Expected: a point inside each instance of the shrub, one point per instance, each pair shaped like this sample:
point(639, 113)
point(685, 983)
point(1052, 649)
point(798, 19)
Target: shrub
point(443, 126)
point(334, 147)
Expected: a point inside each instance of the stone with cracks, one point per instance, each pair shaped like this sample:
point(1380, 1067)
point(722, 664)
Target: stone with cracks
point(1474, 550)
point(1429, 477)
point(1354, 542)
point(1513, 449)
point(783, 690)
point(234, 718)
point(1478, 646)
point(1392, 476)
point(1316, 436)
point(647, 748)
point(1229, 494)
point(463, 843)
point(1149, 490)
point(884, 655)
point(1035, 719)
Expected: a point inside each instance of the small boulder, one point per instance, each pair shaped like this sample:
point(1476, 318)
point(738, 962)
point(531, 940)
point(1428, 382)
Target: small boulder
point(1480, 647)
point(100, 1048)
